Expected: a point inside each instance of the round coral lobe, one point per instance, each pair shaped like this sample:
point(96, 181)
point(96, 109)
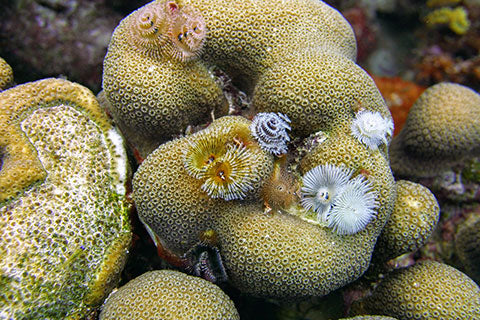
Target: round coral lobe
point(188, 34)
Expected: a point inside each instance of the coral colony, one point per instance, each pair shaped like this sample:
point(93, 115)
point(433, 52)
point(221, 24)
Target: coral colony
point(234, 200)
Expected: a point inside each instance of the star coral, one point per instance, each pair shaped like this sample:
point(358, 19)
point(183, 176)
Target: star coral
point(171, 202)
point(411, 293)
point(6, 74)
point(151, 95)
point(168, 294)
point(296, 59)
point(415, 205)
point(442, 128)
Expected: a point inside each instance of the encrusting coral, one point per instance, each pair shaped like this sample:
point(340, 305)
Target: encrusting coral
point(456, 19)
point(426, 290)
point(64, 225)
point(442, 128)
point(168, 295)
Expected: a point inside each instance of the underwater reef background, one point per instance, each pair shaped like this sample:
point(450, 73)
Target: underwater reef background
point(419, 195)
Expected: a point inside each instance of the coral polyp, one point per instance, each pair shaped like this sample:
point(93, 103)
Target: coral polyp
point(353, 208)
point(270, 130)
point(320, 187)
point(230, 176)
point(149, 29)
point(187, 34)
point(371, 129)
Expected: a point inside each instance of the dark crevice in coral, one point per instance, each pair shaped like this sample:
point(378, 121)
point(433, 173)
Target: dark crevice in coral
point(2, 156)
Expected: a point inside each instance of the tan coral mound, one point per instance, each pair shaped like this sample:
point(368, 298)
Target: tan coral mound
point(285, 257)
point(64, 227)
point(168, 295)
point(153, 98)
point(168, 194)
point(411, 223)
point(157, 82)
point(317, 90)
point(426, 290)
point(442, 128)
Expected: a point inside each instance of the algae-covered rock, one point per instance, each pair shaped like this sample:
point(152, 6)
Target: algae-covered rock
point(64, 231)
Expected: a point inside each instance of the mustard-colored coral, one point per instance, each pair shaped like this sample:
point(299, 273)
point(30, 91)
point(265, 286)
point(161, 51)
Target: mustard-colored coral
point(64, 232)
point(296, 58)
point(414, 217)
point(313, 101)
point(456, 19)
point(426, 290)
point(172, 201)
point(279, 255)
point(6, 75)
point(154, 97)
point(442, 128)
point(168, 295)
